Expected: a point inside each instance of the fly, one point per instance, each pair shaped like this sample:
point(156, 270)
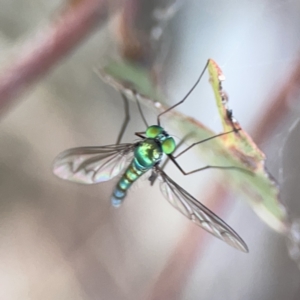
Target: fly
point(90, 165)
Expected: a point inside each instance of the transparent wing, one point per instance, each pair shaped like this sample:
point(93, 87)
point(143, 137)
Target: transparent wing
point(90, 165)
point(198, 213)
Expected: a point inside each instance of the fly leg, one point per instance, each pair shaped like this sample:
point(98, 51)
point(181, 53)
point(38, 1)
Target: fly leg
point(186, 96)
point(127, 119)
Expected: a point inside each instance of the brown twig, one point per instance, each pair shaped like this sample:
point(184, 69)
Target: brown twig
point(278, 108)
point(49, 47)
point(172, 279)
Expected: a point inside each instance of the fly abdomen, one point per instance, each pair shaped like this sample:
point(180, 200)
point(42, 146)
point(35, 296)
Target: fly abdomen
point(132, 173)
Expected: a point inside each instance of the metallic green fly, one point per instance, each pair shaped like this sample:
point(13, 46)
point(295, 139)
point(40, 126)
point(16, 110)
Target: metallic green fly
point(89, 165)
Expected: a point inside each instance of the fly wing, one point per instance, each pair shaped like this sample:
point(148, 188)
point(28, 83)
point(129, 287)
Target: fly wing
point(89, 165)
point(198, 213)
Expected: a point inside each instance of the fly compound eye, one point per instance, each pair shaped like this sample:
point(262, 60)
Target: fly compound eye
point(168, 145)
point(154, 131)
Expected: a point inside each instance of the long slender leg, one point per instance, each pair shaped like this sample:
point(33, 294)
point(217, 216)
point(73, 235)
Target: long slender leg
point(209, 167)
point(140, 134)
point(136, 95)
point(185, 97)
point(205, 140)
point(127, 118)
point(154, 176)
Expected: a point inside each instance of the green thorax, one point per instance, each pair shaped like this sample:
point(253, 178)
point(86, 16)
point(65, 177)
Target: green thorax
point(150, 151)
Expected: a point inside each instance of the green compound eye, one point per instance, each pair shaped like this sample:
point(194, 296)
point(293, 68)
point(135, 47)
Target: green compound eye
point(153, 131)
point(168, 145)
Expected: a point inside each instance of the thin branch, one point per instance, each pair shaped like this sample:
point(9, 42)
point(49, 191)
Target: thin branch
point(278, 108)
point(171, 281)
point(50, 45)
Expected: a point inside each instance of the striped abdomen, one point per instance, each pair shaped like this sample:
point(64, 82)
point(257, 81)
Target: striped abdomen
point(146, 154)
point(132, 173)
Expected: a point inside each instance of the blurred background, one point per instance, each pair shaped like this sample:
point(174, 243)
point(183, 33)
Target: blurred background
point(59, 240)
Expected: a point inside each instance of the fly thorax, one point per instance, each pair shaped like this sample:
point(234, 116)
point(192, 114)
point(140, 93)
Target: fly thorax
point(148, 153)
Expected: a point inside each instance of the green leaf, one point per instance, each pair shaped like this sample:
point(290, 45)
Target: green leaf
point(234, 149)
